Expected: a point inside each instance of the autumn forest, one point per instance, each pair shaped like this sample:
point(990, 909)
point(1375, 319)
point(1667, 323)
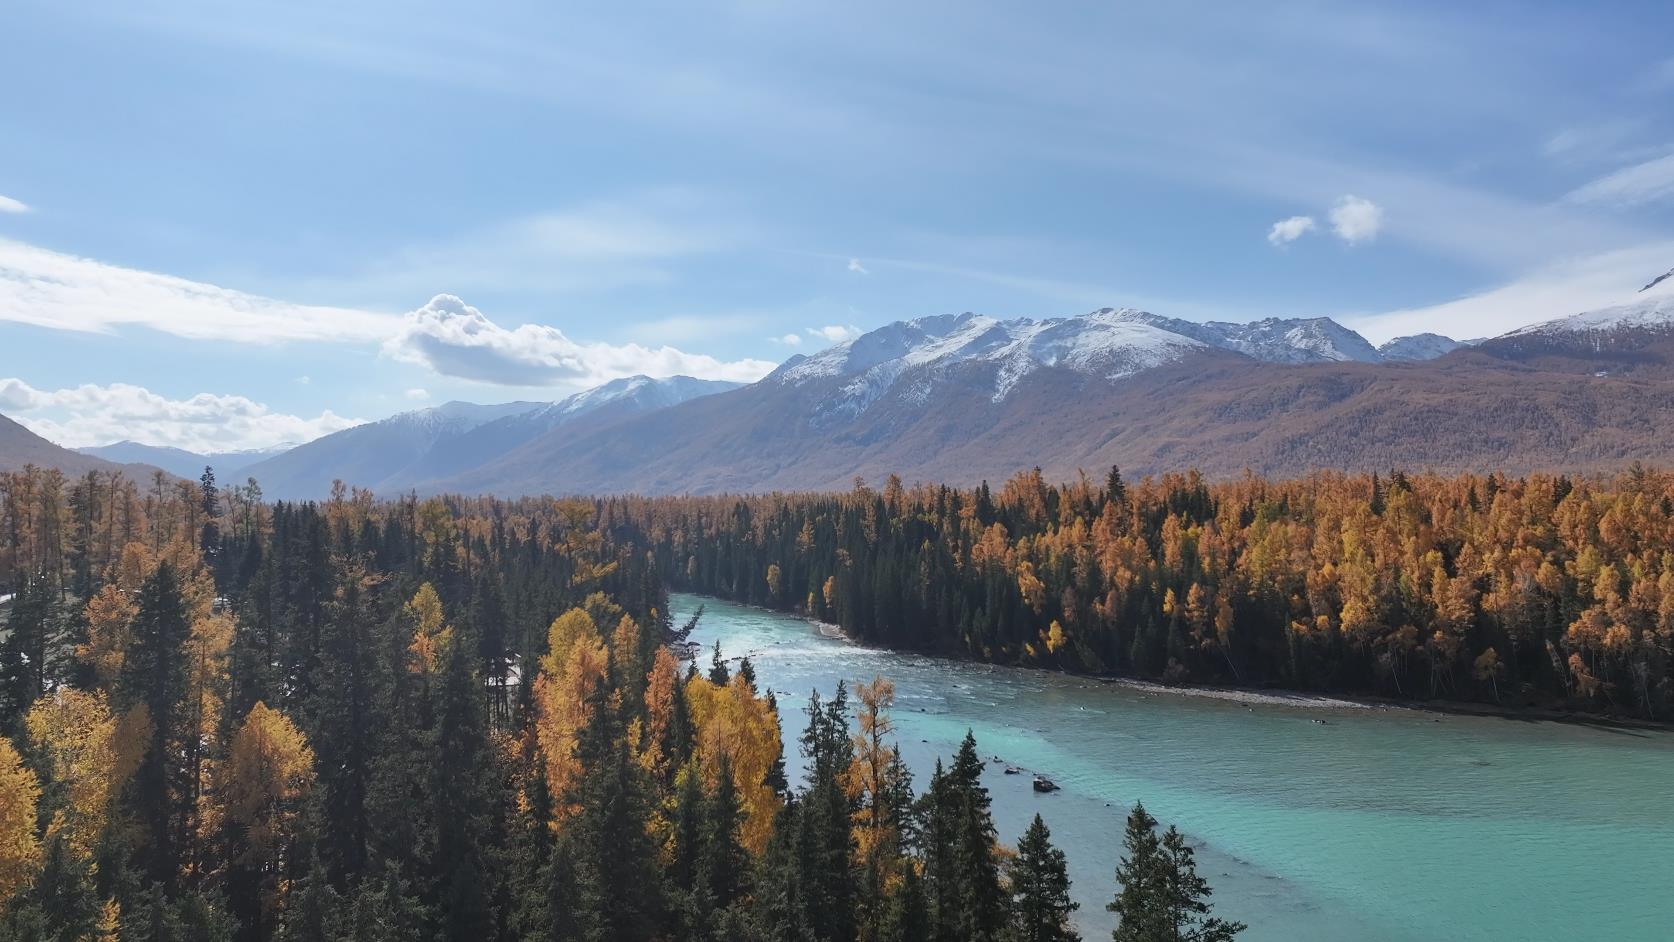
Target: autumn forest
point(453, 718)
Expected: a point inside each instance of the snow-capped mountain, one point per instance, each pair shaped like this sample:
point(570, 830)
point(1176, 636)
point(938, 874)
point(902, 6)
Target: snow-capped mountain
point(913, 356)
point(909, 358)
point(1650, 309)
point(408, 450)
point(1277, 339)
point(1419, 347)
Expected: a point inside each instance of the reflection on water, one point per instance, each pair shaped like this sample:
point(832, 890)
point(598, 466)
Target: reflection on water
point(1371, 824)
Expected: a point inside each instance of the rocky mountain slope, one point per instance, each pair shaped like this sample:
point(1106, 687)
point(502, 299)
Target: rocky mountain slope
point(966, 398)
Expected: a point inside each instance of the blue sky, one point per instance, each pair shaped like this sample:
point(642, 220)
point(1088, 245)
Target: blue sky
point(222, 225)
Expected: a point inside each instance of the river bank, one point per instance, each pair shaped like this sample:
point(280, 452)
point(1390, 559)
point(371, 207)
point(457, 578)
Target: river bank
point(1261, 696)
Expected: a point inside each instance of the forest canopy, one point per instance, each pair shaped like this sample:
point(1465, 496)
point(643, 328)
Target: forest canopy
point(457, 719)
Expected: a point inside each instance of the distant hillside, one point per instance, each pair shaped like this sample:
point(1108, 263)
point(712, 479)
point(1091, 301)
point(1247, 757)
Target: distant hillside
point(413, 450)
point(20, 447)
point(179, 461)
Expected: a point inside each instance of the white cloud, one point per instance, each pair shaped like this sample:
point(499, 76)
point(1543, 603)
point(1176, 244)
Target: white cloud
point(1356, 220)
point(304, 380)
point(1559, 290)
point(1647, 182)
point(1286, 231)
point(98, 415)
point(789, 340)
point(9, 205)
point(418, 394)
point(66, 292)
point(835, 333)
point(454, 339)
point(857, 268)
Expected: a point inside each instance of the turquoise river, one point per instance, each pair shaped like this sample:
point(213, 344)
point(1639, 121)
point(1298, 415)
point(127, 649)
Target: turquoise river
point(1372, 824)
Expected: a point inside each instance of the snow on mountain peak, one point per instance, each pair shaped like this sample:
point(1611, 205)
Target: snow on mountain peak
point(1651, 308)
point(1418, 347)
point(916, 353)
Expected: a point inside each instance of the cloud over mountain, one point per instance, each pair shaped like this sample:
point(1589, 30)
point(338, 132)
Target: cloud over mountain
point(95, 415)
point(455, 339)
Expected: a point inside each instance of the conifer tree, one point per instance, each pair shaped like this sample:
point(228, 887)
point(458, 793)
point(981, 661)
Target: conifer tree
point(461, 792)
point(1188, 894)
point(725, 869)
point(1162, 898)
point(154, 680)
point(1041, 905)
point(621, 888)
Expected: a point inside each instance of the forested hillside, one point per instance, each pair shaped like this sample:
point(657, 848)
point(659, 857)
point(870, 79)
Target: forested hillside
point(456, 720)
point(1541, 590)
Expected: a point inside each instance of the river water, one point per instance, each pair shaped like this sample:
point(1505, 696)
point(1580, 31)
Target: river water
point(1383, 825)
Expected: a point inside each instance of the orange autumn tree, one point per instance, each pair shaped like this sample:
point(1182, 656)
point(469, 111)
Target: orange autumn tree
point(730, 722)
point(877, 782)
point(571, 673)
point(655, 741)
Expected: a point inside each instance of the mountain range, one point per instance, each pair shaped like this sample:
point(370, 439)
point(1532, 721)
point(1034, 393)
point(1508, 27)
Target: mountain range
point(962, 398)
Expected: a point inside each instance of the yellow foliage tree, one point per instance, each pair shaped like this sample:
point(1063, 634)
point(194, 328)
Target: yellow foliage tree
point(732, 721)
point(76, 734)
point(659, 716)
point(565, 693)
point(872, 779)
point(109, 613)
point(20, 852)
point(269, 773)
point(431, 636)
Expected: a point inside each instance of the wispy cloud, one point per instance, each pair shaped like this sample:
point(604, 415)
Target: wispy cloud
point(1286, 231)
point(634, 240)
point(1356, 220)
point(1553, 291)
point(418, 395)
point(98, 415)
point(835, 333)
point(66, 292)
point(1646, 182)
point(455, 339)
point(857, 268)
point(9, 205)
point(789, 340)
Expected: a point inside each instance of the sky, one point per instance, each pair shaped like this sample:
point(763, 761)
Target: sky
point(231, 225)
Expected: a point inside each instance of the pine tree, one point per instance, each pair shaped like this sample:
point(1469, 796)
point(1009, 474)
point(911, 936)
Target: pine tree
point(979, 901)
point(460, 791)
point(1188, 894)
point(154, 679)
point(571, 910)
point(1141, 902)
point(909, 914)
point(718, 674)
point(1162, 898)
point(1041, 904)
point(313, 912)
point(615, 859)
point(383, 910)
point(725, 869)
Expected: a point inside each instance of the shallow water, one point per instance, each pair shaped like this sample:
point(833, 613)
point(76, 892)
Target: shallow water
point(1375, 824)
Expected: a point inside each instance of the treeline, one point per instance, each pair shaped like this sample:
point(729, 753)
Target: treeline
point(456, 720)
point(1541, 590)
